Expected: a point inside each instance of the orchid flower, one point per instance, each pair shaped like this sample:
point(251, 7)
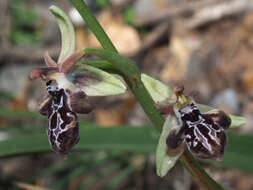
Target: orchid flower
point(203, 133)
point(199, 128)
point(68, 89)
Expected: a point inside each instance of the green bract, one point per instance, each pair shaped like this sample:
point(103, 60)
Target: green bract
point(108, 84)
point(159, 92)
point(67, 33)
point(165, 161)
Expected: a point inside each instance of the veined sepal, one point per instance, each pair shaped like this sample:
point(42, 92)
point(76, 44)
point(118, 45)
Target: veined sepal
point(160, 93)
point(96, 82)
point(67, 33)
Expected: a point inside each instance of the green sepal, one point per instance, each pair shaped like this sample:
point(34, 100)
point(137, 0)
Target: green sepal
point(164, 160)
point(160, 93)
point(107, 85)
point(67, 33)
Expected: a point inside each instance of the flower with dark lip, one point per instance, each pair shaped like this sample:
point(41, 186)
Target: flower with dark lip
point(68, 89)
point(203, 133)
point(64, 100)
point(198, 127)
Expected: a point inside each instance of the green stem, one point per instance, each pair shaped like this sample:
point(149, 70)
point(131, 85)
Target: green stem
point(198, 172)
point(128, 69)
point(101, 64)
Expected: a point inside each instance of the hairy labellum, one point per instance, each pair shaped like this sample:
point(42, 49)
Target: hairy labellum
point(204, 134)
point(62, 126)
point(60, 107)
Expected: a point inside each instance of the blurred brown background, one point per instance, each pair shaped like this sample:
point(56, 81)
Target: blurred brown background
point(206, 45)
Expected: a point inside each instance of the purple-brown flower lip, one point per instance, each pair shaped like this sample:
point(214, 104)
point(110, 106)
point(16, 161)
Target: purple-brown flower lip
point(203, 133)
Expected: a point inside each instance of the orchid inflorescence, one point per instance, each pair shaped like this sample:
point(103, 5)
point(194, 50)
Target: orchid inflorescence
point(68, 89)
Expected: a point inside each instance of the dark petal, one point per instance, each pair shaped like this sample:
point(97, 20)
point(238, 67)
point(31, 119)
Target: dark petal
point(175, 138)
point(49, 61)
point(166, 110)
point(43, 72)
point(223, 140)
point(45, 105)
point(84, 79)
point(79, 103)
point(219, 117)
point(68, 65)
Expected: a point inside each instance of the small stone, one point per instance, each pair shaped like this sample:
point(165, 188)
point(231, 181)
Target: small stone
point(75, 17)
point(247, 80)
point(125, 38)
point(227, 100)
point(149, 11)
point(13, 78)
point(119, 2)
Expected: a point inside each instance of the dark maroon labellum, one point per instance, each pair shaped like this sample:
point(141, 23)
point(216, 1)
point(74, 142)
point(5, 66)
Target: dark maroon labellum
point(60, 107)
point(62, 127)
point(204, 134)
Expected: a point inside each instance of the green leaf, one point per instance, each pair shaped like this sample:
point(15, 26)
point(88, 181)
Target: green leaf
point(237, 121)
point(120, 177)
point(238, 153)
point(81, 170)
point(100, 175)
point(160, 93)
point(107, 85)
point(20, 114)
point(63, 164)
point(67, 33)
point(125, 138)
point(164, 161)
